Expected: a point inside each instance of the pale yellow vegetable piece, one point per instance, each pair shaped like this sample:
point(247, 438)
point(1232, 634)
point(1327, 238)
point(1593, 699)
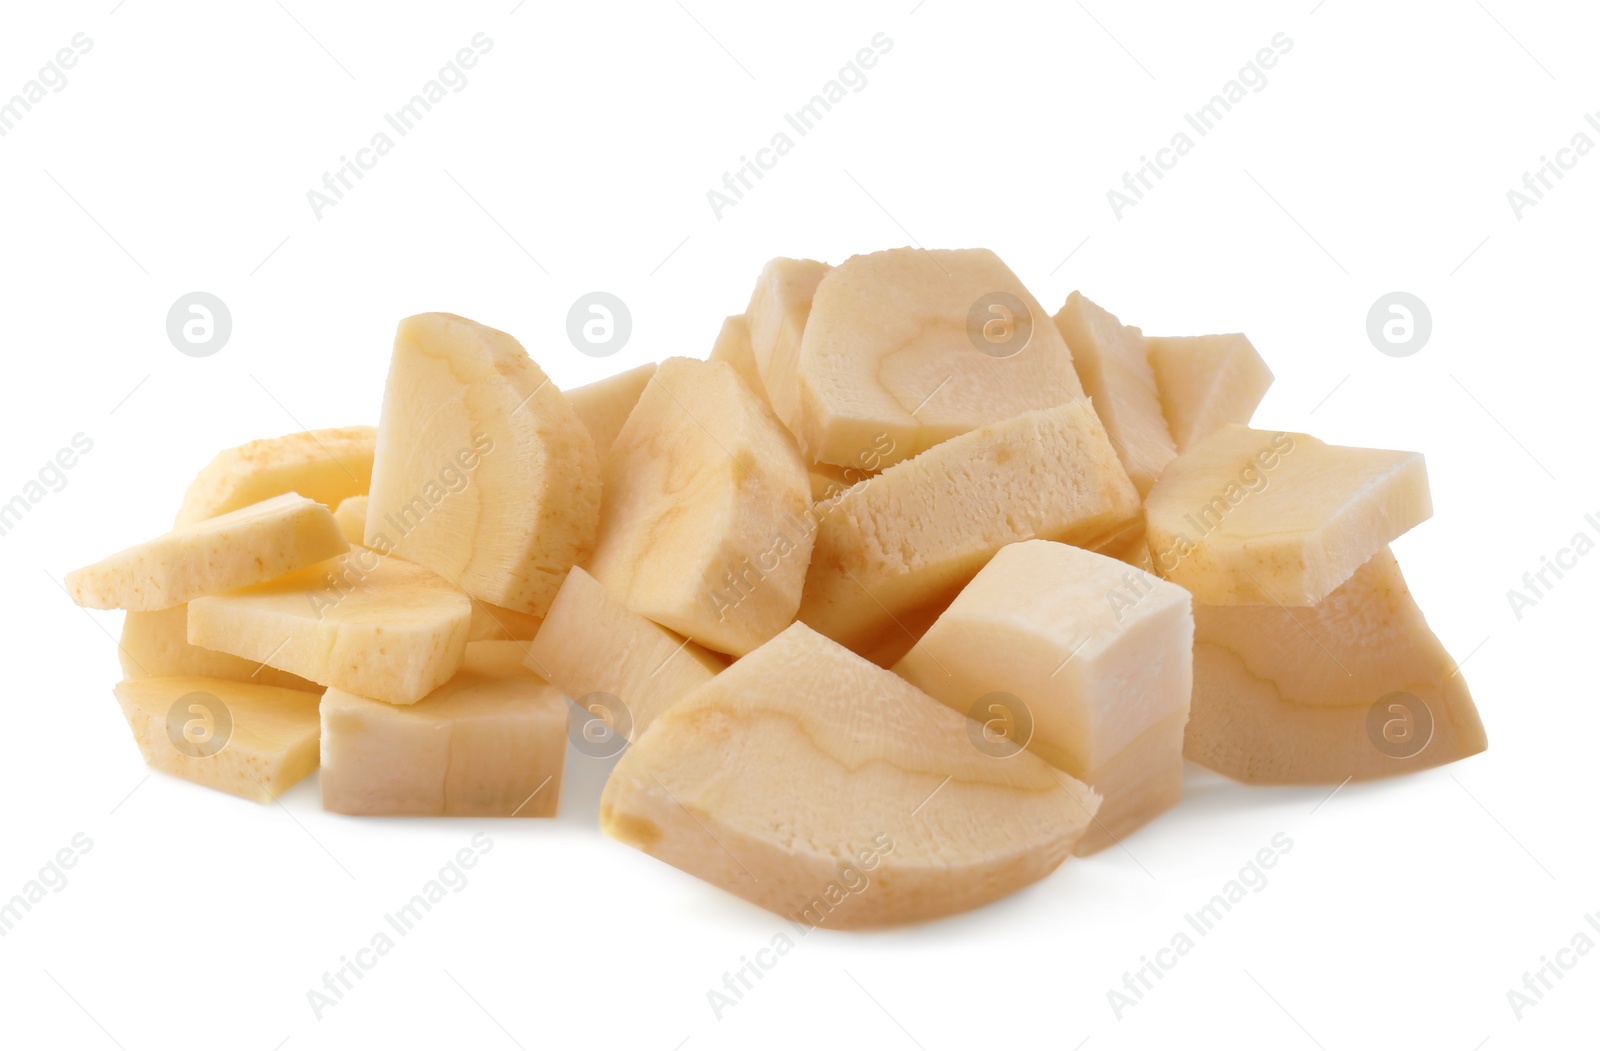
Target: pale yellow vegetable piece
point(483, 472)
point(371, 625)
point(155, 645)
point(829, 482)
point(326, 466)
point(498, 624)
point(602, 653)
point(917, 347)
point(733, 348)
point(1206, 382)
point(704, 527)
point(603, 406)
point(491, 742)
point(252, 741)
point(803, 768)
point(1116, 375)
point(351, 514)
point(1356, 686)
point(1082, 659)
point(914, 535)
point(247, 546)
point(1253, 517)
point(775, 320)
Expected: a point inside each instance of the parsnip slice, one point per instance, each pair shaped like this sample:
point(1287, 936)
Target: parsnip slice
point(326, 466)
point(351, 514)
point(1206, 382)
point(733, 348)
point(155, 645)
point(775, 320)
point(603, 406)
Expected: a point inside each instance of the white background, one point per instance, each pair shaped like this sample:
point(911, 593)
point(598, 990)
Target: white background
point(578, 157)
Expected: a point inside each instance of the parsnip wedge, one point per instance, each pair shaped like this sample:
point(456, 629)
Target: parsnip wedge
point(351, 514)
point(703, 528)
point(371, 625)
point(803, 768)
point(914, 535)
point(155, 645)
point(603, 405)
point(326, 466)
point(491, 742)
point(1206, 382)
point(591, 644)
point(252, 741)
point(483, 472)
point(775, 320)
point(733, 348)
point(247, 546)
point(1252, 517)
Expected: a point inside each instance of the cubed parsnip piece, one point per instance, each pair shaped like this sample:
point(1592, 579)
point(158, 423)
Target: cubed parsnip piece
point(775, 320)
point(252, 741)
point(498, 624)
point(1356, 686)
point(326, 466)
point(1253, 517)
point(491, 742)
point(155, 645)
point(917, 347)
point(483, 472)
point(703, 528)
point(371, 625)
point(1116, 375)
point(592, 644)
point(247, 546)
point(803, 766)
point(1080, 658)
point(733, 348)
point(1206, 382)
point(603, 405)
point(914, 535)
point(351, 514)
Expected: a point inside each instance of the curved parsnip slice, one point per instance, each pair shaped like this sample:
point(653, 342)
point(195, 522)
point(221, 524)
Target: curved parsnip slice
point(914, 535)
point(1253, 517)
point(1206, 382)
point(775, 320)
point(351, 514)
point(1355, 686)
point(247, 546)
point(326, 466)
point(705, 525)
point(483, 472)
point(917, 347)
point(603, 406)
point(803, 767)
point(155, 645)
point(373, 626)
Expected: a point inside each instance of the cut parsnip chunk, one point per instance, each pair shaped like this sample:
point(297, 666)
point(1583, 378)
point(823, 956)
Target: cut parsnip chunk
point(351, 514)
point(247, 546)
point(483, 472)
point(155, 645)
point(603, 406)
point(829, 482)
point(918, 347)
point(914, 535)
point(1206, 382)
point(252, 741)
point(704, 526)
point(803, 766)
point(1356, 686)
point(1251, 517)
point(591, 644)
point(776, 320)
point(491, 742)
point(733, 348)
point(372, 626)
point(1080, 658)
point(498, 624)
point(326, 466)
point(1116, 375)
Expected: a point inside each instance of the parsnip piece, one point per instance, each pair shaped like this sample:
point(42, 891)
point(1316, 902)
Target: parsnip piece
point(733, 348)
point(155, 645)
point(918, 347)
point(252, 741)
point(372, 626)
point(703, 529)
point(491, 742)
point(1081, 658)
point(829, 482)
point(603, 406)
point(1206, 382)
point(1116, 374)
point(247, 546)
point(351, 514)
point(914, 535)
point(776, 320)
point(326, 466)
point(1356, 686)
point(592, 644)
point(483, 472)
point(1253, 517)
point(498, 624)
point(803, 766)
